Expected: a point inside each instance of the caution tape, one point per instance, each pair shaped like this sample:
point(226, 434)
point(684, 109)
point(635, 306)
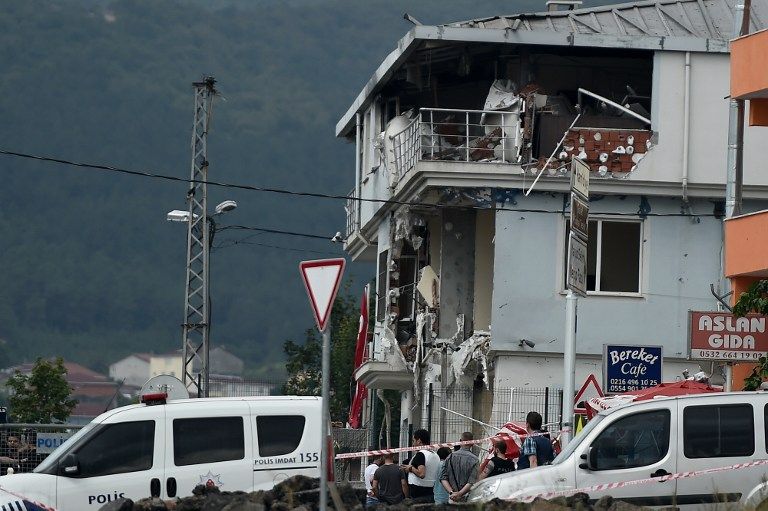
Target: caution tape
point(361, 454)
point(634, 482)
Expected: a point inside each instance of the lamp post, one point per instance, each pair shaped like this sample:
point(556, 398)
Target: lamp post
point(197, 312)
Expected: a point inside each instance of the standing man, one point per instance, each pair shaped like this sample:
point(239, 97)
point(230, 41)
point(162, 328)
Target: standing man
point(389, 483)
point(460, 471)
point(369, 471)
point(499, 463)
point(441, 494)
point(422, 470)
point(537, 448)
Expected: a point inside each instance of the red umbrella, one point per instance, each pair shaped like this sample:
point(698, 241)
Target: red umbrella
point(678, 388)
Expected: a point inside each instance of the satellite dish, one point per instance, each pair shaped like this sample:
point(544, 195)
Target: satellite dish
point(165, 383)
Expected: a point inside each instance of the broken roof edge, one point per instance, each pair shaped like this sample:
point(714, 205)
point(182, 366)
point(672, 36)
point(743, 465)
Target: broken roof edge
point(566, 13)
point(422, 33)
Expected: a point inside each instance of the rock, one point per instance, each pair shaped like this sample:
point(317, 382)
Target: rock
point(619, 505)
point(202, 489)
point(604, 503)
point(540, 504)
point(579, 501)
point(153, 504)
point(243, 505)
point(118, 505)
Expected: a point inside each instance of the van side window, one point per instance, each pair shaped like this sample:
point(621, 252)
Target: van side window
point(633, 441)
point(118, 449)
point(279, 434)
point(718, 431)
point(207, 440)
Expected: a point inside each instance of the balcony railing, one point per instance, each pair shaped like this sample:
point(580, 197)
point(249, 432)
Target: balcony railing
point(479, 136)
point(352, 208)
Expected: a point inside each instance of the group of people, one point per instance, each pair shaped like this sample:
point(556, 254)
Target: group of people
point(446, 476)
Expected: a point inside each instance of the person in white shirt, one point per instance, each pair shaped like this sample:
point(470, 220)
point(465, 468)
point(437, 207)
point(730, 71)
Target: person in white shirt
point(369, 471)
point(422, 469)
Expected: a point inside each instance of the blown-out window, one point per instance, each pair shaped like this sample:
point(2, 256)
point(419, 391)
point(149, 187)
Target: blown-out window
point(614, 255)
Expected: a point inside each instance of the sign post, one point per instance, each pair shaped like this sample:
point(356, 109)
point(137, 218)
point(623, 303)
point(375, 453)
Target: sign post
point(577, 284)
point(321, 279)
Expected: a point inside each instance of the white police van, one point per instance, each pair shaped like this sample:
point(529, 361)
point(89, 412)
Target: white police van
point(166, 450)
point(654, 438)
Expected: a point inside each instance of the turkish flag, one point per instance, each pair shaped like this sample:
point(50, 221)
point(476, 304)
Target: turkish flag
point(356, 407)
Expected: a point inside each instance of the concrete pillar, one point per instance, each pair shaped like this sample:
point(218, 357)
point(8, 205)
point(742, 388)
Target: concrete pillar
point(457, 271)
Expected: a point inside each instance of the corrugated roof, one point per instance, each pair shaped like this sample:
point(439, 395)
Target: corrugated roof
point(709, 19)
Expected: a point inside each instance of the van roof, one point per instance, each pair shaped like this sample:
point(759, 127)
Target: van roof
point(202, 400)
point(729, 396)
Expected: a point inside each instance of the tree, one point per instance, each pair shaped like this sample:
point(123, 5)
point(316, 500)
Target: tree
point(42, 396)
point(755, 299)
point(305, 360)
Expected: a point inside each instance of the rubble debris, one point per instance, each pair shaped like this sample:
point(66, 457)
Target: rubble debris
point(471, 359)
point(429, 288)
point(605, 150)
point(300, 493)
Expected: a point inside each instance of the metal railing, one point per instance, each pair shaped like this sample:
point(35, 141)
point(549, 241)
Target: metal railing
point(24, 446)
point(352, 210)
point(448, 413)
point(445, 134)
point(233, 386)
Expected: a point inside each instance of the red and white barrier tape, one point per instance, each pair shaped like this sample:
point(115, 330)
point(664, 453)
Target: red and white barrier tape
point(660, 479)
point(361, 454)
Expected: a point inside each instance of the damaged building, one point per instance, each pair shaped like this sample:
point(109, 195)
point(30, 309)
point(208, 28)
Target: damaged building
point(450, 133)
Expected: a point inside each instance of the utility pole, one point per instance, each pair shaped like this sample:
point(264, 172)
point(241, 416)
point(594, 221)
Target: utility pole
point(195, 345)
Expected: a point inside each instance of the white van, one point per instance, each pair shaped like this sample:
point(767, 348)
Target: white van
point(165, 449)
point(651, 439)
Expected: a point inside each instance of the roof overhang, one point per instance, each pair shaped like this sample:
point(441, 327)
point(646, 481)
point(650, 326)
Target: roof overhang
point(420, 34)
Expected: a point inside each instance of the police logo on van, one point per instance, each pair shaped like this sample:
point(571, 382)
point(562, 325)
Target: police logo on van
point(211, 480)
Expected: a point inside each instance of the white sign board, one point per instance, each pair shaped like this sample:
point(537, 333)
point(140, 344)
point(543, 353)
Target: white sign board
point(580, 178)
point(46, 443)
point(321, 278)
point(577, 265)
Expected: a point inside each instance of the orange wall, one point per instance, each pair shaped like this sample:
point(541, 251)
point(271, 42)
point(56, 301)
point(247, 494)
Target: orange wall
point(749, 60)
point(746, 245)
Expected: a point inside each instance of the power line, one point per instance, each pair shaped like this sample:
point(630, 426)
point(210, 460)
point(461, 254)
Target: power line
point(274, 231)
point(267, 245)
point(426, 205)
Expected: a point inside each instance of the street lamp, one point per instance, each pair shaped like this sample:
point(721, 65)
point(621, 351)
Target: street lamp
point(200, 291)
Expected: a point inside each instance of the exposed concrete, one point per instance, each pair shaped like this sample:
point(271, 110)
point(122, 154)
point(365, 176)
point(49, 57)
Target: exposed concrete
point(457, 270)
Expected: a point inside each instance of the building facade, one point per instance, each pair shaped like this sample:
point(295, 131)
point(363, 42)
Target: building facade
point(456, 126)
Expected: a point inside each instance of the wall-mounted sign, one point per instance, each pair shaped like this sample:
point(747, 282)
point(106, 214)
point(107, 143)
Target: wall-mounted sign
point(631, 367)
point(580, 177)
point(579, 216)
point(577, 265)
point(722, 336)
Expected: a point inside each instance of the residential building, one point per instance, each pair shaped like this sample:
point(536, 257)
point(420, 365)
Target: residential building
point(452, 131)
point(132, 370)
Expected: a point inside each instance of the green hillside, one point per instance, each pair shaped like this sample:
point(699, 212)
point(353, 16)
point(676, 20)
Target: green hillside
point(91, 269)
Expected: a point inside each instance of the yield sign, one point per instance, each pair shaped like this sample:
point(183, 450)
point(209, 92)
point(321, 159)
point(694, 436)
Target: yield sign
point(321, 278)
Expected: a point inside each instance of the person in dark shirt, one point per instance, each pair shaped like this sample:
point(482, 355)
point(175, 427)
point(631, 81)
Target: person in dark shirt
point(389, 483)
point(537, 447)
point(499, 463)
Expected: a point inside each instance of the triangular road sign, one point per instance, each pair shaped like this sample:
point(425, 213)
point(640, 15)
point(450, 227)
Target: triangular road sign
point(589, 390)
point(321, 279)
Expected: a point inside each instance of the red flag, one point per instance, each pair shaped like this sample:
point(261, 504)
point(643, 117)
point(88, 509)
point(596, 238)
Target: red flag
point(356, 407)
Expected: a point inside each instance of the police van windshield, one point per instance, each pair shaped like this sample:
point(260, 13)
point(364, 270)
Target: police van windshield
point(574, 444)
point(63, 449)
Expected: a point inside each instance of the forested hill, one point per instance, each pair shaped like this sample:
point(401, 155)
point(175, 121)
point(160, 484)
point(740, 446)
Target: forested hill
point(91, 270)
